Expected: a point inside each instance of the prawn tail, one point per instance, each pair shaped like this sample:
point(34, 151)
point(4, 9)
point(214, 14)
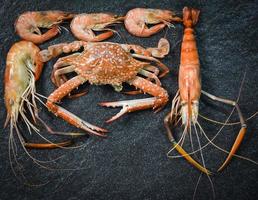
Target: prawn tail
point(190, 16)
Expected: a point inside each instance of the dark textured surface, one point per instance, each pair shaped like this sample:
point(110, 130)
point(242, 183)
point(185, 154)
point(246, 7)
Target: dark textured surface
point(131, 163)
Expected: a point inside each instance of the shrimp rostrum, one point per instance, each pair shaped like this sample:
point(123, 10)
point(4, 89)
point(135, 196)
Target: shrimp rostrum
point(23, 68)
point(185, 105)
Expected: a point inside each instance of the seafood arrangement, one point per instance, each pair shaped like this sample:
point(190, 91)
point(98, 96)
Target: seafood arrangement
point(107, 63)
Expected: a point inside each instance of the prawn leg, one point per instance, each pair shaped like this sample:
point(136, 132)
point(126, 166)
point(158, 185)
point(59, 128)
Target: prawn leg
point(42, 145)
point(102, 36)
point(180, 150)
point(241, 133)
point(47, 146)
point(89, 35)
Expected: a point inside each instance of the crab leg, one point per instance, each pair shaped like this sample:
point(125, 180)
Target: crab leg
point(61, 92)
point(160, 64)
point(149, 76)
point(158, 101)
point(61, 63)
point(153, 69)
point(56, 50)
point(57, 76)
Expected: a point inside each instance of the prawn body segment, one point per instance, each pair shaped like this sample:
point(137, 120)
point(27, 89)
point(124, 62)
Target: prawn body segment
point(27, 25)
point(189, 71)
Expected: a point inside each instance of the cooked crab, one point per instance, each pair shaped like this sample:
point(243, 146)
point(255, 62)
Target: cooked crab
point(105, 63)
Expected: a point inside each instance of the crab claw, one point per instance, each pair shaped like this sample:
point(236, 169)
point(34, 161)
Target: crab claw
point(128, 106)
point(82, 124)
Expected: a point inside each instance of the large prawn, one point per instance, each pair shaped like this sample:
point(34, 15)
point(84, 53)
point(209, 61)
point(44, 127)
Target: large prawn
point(186, 101)
point(23, 68)
point(137, 18)
point(27, 25)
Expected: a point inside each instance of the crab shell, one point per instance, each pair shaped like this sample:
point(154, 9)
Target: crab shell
point(106, 63)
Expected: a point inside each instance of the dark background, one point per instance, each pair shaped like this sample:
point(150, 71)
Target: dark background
point(131, 163)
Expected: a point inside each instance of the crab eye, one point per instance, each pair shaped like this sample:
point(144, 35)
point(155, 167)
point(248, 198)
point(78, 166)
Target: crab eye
point(132, 51)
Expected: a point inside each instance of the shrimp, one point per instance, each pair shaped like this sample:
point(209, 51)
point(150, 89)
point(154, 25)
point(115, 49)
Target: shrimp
point(23, 69)
point(186, 101)
point(137, 18)
point(83, 25)
point(27, 25)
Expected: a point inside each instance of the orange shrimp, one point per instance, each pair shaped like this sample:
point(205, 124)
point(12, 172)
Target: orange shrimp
point(83, 25)
point(23, 68)
point(27, 25)
point(137, 18)
point(186, 101)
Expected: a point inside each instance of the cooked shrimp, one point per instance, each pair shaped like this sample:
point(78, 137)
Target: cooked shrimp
point(186, 101)
point(27, 25)
point(83, 25)
point(137, 18)
point(23, 68)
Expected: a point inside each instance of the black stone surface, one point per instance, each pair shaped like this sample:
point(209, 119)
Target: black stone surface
point(131, 163)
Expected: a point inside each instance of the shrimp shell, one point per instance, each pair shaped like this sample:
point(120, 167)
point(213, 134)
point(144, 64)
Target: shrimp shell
point(137, 18)
point(23, 68)
point(27, 24)
point(83, 25)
